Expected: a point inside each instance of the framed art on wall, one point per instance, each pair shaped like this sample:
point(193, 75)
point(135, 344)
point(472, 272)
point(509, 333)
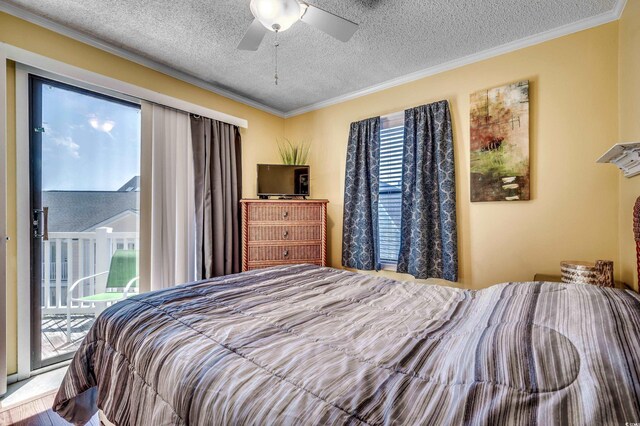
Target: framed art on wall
point(500, 143)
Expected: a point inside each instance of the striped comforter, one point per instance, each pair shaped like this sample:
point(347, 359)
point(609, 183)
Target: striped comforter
point(309, 345)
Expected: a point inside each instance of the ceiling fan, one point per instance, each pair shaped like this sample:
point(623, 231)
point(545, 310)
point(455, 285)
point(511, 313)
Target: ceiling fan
point(280, 15)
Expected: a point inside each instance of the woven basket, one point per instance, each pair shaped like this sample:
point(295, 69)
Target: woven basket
point(599, 273)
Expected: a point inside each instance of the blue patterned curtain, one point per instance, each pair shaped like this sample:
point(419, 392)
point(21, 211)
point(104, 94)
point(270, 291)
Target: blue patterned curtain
point(428, 234)
point(360, 224)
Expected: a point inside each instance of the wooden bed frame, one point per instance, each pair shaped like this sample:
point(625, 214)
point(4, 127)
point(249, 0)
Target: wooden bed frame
point(636, 233)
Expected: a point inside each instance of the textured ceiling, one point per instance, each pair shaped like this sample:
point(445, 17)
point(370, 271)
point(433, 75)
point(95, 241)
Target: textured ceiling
point(395, 38)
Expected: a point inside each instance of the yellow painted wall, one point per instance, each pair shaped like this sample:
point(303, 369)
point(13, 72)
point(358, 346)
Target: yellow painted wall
point(574, 119)
point(573, 213)
point(258, 140)
point(629, 93)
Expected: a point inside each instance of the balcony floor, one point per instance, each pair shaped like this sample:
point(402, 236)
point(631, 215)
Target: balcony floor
point(54, 333)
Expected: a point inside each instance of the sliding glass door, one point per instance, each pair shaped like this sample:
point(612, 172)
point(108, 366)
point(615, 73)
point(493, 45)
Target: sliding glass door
point(84, 211)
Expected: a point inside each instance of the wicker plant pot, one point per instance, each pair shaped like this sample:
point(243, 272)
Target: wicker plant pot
point(599, 273)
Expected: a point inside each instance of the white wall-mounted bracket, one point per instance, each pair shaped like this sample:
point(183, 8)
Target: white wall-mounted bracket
point(624, 155)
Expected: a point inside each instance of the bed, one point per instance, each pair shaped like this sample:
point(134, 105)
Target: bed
point(310, 345)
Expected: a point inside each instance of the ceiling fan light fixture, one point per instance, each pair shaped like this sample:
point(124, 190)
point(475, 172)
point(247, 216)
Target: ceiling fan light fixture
point(277, 15)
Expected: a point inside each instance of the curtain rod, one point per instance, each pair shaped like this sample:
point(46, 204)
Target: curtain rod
point(399, 115)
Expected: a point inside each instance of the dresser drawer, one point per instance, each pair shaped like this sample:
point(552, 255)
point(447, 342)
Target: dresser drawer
point(260, 265)
point(299, 252)
point(278, 233)
point(265, 212)
point(283, 232)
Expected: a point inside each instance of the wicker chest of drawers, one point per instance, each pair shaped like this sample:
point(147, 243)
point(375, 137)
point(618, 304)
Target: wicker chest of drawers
point(278, 232)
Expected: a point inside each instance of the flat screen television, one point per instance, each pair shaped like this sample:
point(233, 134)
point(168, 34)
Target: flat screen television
point(283, 180)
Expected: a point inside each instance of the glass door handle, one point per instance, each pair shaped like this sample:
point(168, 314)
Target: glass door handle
point(41, 229)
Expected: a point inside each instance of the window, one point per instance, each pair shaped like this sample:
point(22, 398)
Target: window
point(84, 191)
point(390, 190)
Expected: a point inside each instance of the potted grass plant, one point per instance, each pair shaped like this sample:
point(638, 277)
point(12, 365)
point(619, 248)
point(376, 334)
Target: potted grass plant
point(295, 154)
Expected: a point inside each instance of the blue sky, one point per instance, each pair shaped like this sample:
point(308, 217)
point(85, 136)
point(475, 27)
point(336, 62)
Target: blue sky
point(89, 143)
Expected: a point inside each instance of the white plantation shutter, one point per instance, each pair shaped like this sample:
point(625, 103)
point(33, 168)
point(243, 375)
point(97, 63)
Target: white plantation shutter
point(390, 192)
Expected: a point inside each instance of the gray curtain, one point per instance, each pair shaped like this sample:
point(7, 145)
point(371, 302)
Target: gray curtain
point(172, 207)
point(218, 188)
point(428, 233)
point(360, 221)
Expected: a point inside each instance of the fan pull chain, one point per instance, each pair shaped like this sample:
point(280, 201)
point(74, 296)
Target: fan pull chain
point(276, 44)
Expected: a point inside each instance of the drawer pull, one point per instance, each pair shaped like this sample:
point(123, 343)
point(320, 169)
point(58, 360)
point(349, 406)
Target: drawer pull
point(285, 234)
point(285, 253)
point(285, 214)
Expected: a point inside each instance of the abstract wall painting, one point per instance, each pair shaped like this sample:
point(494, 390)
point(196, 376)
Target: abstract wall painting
point(500, 143)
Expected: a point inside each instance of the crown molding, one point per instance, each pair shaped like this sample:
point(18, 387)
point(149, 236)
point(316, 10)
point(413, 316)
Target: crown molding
point(18, 12)
point(594, 21)
point(619, 8)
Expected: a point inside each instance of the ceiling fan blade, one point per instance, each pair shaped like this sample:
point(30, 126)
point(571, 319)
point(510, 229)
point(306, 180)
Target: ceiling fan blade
point(253, 36)
point(331, 24)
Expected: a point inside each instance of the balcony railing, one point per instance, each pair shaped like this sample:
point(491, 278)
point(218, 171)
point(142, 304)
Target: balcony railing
point(69, 256)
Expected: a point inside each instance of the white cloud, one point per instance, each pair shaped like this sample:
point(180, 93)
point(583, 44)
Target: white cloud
point(61, 141)
point(69, 144)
